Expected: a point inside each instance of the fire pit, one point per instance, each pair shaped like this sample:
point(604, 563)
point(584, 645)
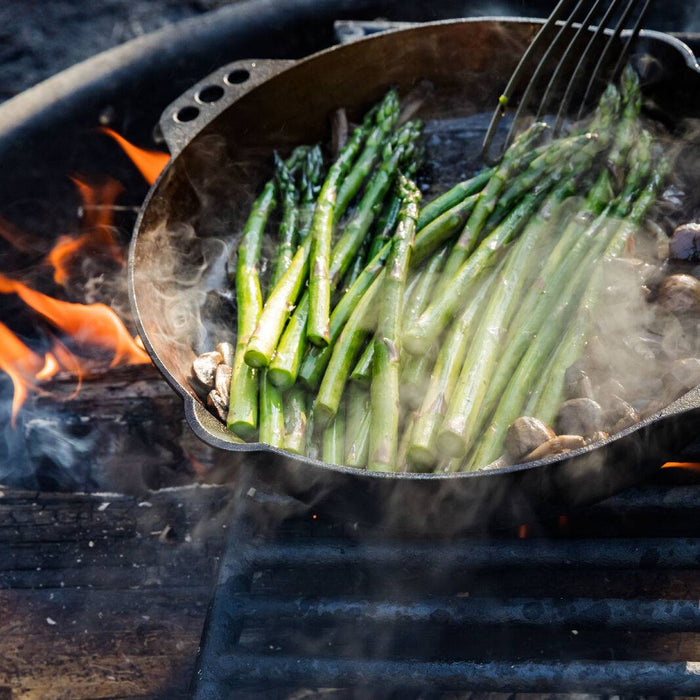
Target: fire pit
point(92, 581)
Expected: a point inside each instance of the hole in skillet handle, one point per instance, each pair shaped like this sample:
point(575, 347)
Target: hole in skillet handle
point(238, 76)
point(186, 114)
point(210, 94)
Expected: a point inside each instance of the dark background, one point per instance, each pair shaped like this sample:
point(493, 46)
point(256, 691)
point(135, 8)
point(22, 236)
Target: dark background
point(40, 38)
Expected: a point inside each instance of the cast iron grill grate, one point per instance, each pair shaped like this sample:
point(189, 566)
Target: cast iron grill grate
point(601, 601)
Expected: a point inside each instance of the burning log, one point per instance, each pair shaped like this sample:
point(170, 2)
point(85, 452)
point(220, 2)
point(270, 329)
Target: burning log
point(127, 420)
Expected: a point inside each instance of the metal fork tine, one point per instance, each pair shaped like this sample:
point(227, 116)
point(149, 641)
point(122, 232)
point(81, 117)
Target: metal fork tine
point(630, 40)
point(612, 41)
point(525, 99)
point(547, 31)
point(573, 44)
point(564, 106)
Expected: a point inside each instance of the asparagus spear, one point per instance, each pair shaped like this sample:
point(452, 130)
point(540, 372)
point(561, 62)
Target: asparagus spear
point(385, 225)
point(310, 186)
point(387, 116)
point(271, 413)
point(453, 197)
point(295, 419)
point(360, 324)
point(415, 375)
point(362, 374)
point(442, 228)
point(334, 439)
point(357, 411)
point(420, 295)
point(384, 393)
point(286, 186)
point(243, 402)
point(357, 444)
point(321, 235)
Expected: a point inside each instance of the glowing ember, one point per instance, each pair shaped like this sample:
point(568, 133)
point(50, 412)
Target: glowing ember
point(87, 324)
point(522, 531)
point(149, 163)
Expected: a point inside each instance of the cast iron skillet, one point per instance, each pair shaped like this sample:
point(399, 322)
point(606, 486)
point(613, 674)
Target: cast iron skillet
point(221, 134)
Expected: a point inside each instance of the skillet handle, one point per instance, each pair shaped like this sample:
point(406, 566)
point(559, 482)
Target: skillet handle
point(203, 102)
point(211, 431)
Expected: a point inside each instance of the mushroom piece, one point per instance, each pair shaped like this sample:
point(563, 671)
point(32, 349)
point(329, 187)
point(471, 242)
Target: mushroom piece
point(682, 376)
point(524, 435)
point(685, 243)
point(556, 446)
point(608, 391)
point(577, 383)
point(222, 380)
point(204, 371)
point(620, 415)
point(217, 405)
point(580, 417)
point(680, 294)
point(227, 351)
point(596, 437)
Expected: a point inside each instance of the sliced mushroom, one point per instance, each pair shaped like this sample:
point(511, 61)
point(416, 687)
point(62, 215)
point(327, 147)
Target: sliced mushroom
point(222, 381)
point(685, 243)
point(680, 294)
point(557, 445)
point(597, 437)
point(204, 371)
point(577, 383)
point(524, 435)
point(217, 405)
point(682, 376)
point(608, 391)
point(227, 351)
point(580, 417)
point(620, 415)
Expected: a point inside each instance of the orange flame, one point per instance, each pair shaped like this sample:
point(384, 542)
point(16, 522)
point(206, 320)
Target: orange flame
point(89, 324)
point(20, 363)
point(97, 205)
point(522, 532)
point(689, 466)
point(149, 163)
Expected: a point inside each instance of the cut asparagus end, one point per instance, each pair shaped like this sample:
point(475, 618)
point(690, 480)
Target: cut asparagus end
point(282, 378)
point(420, 458)
point(256, 358)
point(319, 338)
point(451, 443)
point(323, 414)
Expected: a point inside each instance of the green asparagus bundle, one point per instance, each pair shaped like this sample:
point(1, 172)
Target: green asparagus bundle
point(395, 338)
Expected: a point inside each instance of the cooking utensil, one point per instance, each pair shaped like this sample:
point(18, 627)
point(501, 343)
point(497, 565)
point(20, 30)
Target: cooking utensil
point(554, 43)
point(221, 134)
